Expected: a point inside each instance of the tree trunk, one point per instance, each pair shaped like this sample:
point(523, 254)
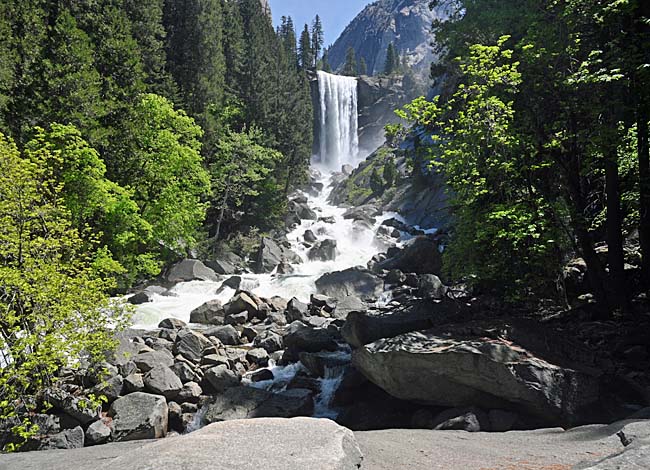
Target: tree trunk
point(221, 214)
point(615, 256)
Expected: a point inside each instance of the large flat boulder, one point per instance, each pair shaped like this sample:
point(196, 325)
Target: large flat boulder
point(351, 282)
point(474, 366)
point(269, 444)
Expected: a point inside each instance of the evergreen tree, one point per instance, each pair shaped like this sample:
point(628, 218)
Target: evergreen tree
point(317, 39)
point(287, 35)
point(234, 47)
point(305, 50)
point(196, 59)
point(391, 65)
point(376, 182)
point(325, 62)
point(350, 67)
point(148, 30)
point(363, 67)
point(8, 61)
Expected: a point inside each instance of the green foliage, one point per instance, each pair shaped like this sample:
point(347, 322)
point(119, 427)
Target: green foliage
point(54, 304)
point(390, 172)
point(350, 66)
point(392, 63)
point(376, 182)
point(161, 163)
point(240, 168)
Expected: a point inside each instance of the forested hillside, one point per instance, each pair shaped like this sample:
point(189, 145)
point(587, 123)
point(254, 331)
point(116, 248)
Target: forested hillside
point(166, 123)
point(542, 136)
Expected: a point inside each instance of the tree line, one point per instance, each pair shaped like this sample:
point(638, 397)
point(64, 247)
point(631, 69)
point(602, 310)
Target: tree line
point(542, 134)
point(132, 132)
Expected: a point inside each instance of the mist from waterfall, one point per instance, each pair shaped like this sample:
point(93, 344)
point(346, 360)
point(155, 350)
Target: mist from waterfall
point(338, 126)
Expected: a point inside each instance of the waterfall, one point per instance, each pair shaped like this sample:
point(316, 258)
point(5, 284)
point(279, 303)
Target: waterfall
point(339, 138)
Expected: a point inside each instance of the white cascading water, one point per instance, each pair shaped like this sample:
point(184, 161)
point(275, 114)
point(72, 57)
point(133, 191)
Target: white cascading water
point(338, 126)
point(356, 244)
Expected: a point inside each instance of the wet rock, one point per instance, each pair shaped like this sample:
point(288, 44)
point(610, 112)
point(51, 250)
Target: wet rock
point(270, 342)
point(318, 363)
point(323, 251)
point(395, 277)
point(309, 237)
point(163, 381)
point(191, 270)
point(327, 220)
point(139, 416)
point(270, 254)
point(210, 313)
point(351, 282)
point(322, 302)
point(141, 298)
point(237, 319)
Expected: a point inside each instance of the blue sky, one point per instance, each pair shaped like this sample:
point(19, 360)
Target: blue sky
point(335, 14)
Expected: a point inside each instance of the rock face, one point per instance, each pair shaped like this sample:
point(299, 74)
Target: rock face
point(465, 367)
point(139, 416)
point(421, 256)
point(351, 282)
point(269, 444)
point(405, 23)
point(270, 255)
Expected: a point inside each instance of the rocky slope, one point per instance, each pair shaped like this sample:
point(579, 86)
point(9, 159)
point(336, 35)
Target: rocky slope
point(406, 23)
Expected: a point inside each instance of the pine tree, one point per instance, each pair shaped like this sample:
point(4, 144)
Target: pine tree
point(148, 30)
point(287, 35)
point(305, 50)
point(317, 39)
point(196, 58)
point(350, 67)
point(234, 47)
point(363, 67)
point(325, 61)
point(8, 61)
point(391, 65)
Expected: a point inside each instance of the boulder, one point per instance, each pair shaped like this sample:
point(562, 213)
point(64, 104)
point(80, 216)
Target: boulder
point(323, 251)
point(351, 282)
point(270, 342)
point(163, 381)
point(222, 378)
point(309, 237)
point(261, 375)
point(72, 406)
point(67, 439)
point(111, 388)
point(134, 383)
point(239, 283)
point(258, 356)
point(242, 302)
point(191, 344)
point(190, 393)
point(247, 403)
point(430, 286)
point(347, 305)
point(302, 338)
point(297, 310)
point(97, 433)
point(141, 298)
point(226, 334)
point(456, 366)
point(210, 313)
point(139, 416)
point(172, 324)
point(221, 266)
point(191, 270)
point(470, 420)
point(270, 255)
point(421, 256)
point(322, 302)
